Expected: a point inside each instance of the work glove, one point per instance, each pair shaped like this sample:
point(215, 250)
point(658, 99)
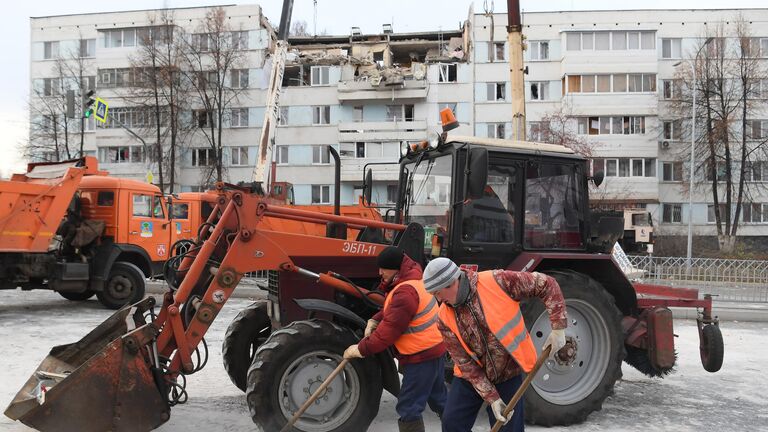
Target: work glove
point(352, 352)
point(498, 407)
point(556, 339)
point(370, 327)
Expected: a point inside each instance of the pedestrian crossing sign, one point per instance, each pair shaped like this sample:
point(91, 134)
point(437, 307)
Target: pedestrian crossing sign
point(101, 110)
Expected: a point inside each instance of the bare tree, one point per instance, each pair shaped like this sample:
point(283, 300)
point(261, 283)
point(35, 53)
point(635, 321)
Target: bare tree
point(299, 29)
point(160, 94)
point(728, 74)
point(212, 57)
point(557, 127)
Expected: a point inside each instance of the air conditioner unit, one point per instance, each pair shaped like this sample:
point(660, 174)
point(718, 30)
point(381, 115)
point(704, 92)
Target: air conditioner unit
point(664, 145)
point(355, 31)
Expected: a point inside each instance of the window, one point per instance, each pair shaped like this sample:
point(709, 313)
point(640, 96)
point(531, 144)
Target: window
point(202, 157)
point(753, 212)
point(497, 91)
point(648, 40)
point(539, 50)
point(321, 194)
point(142, 205)
point(764, 47)
point(641, 83)
point(180, 210)
point(201, 42)
point(619, 40)
point(603, 83)
point(319, 75)
point(282, 155)
point(87, 48)
point(321, 154)
point(400, 112)
point(711, 212)
point(117, 38)
point(719, 171)
point(670, 130)
point(757, 129)
point(672, 213)
point(239, 78)
point(670, 48)
point(536, 131)
point(587, 83)
point(105, 198)
point(602, 41)
point(321, 115)
point(598, 165)
point(643, 167)
point(617, 125)
point(391, 194)
point(496, 130)
point(496, 51)
point(51, 86)
point(670, 89)
point(756, 171)
point(360, 150)
point(121, 154)
point(239, 156)
point(672, 171)
point(282, 120)
point(202, 118)
point(239, 117)
point(448, 72)
point(553, 205)
point(623, 167)
point(573, 42)
point(619, 83)
point(240, 40)
point(490, 218)
point(540, 90)
point(50, 50)
point(357, 113)
point(650, 167)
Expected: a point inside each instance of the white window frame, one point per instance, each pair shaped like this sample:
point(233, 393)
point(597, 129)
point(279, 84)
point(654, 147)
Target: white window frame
point(668, 133)
point(132, 151)
point(239, 156)
point(321, 155)
point(319, 76)
point(542, 90)
point(209, 156)
point(538, 50)
point(90, 48)
point(494, 88)
point(675, 48)
point(239, 39)
point(445, 74)
point(50, 50)
point(239, 118)
point(323, 193)
point(497, 130)
point(283, 118)
point(674, 89)
point(493, 51)
point(282, 155)
point(321, 115)
point(672, 172)
point(239, 78)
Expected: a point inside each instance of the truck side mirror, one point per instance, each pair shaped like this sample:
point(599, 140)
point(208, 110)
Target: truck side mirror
point(598, 178)
point(478, 172)
point(368, 186)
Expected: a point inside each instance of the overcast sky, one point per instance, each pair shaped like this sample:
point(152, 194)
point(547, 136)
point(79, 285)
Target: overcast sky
point(333, 16)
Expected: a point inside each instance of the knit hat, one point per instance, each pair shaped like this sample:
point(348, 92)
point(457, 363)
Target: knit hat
point(439, 273)
point(390, 258)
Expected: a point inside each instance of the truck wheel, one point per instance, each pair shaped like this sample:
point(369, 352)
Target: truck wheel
point(564, 393)
point(77, 296)
point(125, 285)
point(293, 362)
point(250, 328)
point(711, 348)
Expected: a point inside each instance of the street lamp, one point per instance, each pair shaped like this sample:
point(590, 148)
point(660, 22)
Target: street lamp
point(693, 148)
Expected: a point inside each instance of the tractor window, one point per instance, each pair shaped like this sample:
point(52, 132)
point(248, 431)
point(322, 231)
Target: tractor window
point(142, 205)
point(157, 207)
point(105, 199)
point(180, 211)
point(490, 219)
point(430, 192)
point(553, 219)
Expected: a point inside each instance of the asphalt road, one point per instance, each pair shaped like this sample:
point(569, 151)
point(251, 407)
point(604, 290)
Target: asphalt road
point(691, 399)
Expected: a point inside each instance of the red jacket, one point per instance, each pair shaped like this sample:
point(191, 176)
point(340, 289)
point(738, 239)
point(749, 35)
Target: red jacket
point(392, 324)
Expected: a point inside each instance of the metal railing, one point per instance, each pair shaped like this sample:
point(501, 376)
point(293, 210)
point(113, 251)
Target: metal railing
point(729, 279)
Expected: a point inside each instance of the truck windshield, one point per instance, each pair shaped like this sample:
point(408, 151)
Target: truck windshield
point(428, 195)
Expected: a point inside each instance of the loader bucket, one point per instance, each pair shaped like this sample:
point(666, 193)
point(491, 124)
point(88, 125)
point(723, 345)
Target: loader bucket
point(100, 383)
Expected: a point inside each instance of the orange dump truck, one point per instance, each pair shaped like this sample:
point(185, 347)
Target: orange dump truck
point(69, 227)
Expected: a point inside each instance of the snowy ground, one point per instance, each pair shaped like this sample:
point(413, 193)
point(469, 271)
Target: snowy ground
point(689, 400)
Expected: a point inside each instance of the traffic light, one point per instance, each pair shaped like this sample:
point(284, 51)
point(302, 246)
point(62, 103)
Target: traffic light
point(88, 104)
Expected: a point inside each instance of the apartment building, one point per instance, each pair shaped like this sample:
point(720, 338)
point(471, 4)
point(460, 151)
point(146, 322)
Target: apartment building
point(612, 74)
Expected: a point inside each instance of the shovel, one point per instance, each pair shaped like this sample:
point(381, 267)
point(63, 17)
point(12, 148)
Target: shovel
point(519, 393)
point(315, 395)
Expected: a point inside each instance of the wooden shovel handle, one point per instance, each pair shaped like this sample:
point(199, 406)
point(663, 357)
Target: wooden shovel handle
point(315, 395)
point(519, 393)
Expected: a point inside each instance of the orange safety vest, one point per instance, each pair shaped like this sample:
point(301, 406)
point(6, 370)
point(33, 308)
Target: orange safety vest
point(504, 319)
point(422, 332)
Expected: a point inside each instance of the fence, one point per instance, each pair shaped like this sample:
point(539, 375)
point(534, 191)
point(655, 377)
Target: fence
point(729, 279)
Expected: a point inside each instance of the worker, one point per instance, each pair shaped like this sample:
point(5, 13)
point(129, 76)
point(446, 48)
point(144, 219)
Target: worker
point(408, 321)
point(483, 330)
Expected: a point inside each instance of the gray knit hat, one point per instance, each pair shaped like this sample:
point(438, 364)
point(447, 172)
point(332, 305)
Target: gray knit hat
point(439, 273)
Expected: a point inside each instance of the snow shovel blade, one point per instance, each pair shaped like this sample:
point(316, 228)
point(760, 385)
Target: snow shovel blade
point(101, 383)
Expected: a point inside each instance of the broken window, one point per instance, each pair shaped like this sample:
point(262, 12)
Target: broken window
point(540, 90)
point(294, 76)
point(360, 150)
point(448, 72)
point(498, 50)
point(282, 120)
point(496, 91)
point(202, 118)
point(496, 130)
point(378, 57)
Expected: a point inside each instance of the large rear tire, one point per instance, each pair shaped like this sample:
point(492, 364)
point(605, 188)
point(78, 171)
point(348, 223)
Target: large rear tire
point(125, 285)
point(563, 394)
point(292, 364)
point(77, 296)
point(250, 328)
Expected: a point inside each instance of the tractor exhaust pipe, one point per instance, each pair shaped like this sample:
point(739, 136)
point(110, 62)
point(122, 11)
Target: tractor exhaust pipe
point(105, 381)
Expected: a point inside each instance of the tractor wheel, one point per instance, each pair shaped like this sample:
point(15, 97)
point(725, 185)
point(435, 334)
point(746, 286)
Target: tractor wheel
point(77, 296)
point(564, 393)
point(125, 285)
point(292, 364)
point(250, 328)
point(711, 348)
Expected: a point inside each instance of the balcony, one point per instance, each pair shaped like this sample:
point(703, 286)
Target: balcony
point(367, 90)
point(414, 130)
